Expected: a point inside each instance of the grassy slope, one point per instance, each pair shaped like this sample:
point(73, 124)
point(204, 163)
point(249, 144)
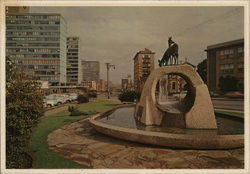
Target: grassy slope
point(233, 114)
point(47, 159)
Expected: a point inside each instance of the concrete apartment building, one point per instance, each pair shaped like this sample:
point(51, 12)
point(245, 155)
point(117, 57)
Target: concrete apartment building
point(225, 59)
point(90, 70)
point(37, 43)
point(143, 65)
point(73, 60)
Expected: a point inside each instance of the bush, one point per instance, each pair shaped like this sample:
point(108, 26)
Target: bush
point(92, 94)
point(82, 99)
point(24, 107)
point(128, 96)
point(75, 112)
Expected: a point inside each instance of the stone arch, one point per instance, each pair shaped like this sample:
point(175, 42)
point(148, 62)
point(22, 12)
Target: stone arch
point(197, 109)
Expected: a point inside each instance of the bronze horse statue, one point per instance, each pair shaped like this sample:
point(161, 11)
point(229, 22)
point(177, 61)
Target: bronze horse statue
point(171, 54)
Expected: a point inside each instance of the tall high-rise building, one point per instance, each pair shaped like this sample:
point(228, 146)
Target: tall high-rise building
point(143, 65)
point(37, 43)
point(90, 71)
point(225, 59)
point(73, 60)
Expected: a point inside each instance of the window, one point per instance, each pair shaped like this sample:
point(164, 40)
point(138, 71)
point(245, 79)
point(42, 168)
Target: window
point(240, 49)
point(173, 85)
point(231, 51)
point(222, 52)
point(226, 52)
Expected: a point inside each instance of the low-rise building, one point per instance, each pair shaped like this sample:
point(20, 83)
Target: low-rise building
point(225, 59)
point(90, 85)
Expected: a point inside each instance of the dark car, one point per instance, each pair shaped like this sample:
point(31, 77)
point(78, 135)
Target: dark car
point(234, 95)
point(214, 94)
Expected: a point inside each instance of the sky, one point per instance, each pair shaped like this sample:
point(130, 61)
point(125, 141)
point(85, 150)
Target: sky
point(115, 34)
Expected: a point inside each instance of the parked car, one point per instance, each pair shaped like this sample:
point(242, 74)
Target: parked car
point(72, 96)
point(214, 94)
point(57, 98)
point(52, 102)
point(234, 95)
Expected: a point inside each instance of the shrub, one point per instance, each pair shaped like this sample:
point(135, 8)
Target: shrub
point(92, 94)
point(24, 107)
point(75, 112)
point(82, 99)
point(70, 108)
point(128, 96)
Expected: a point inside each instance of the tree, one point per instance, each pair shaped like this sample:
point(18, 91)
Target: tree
point(82, 98)
point(128, 96)
point(202, 70)
point(228, 83)
point(24, 107)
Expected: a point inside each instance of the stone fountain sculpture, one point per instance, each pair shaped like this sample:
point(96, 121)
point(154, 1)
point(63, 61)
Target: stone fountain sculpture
point(187, 123)
point(195, 111)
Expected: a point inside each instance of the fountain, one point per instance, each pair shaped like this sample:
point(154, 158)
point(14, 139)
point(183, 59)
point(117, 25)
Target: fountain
point(193, 126)
point(190, 123)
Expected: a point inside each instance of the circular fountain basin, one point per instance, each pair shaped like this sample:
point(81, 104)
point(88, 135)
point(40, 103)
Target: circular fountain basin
point(120, 123)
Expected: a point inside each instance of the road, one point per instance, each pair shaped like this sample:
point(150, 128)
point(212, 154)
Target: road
point(228, 104)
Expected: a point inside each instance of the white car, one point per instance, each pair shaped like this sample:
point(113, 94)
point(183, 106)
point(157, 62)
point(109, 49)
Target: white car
point(72, 96)
point(51, 102)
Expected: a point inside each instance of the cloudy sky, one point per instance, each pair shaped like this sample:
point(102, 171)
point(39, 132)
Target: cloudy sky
point(115, 34)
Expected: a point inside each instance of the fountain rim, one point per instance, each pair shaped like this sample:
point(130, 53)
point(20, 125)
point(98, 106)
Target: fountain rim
point(166, 139)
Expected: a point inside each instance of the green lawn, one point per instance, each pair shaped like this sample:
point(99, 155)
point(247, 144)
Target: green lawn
point(44, 157)
point(233, 114)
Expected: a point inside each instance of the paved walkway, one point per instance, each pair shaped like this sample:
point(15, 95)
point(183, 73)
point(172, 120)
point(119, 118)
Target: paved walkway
point(79, 142)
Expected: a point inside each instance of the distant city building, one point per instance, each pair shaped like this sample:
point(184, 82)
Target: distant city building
point(225, 59)
point(143, 65)
point(90, 70)
point(37, 43)
point(101, 85)
point(90, 85)
point(73, 60)
point(17, 9)
point(176, 84)
point(127, 83)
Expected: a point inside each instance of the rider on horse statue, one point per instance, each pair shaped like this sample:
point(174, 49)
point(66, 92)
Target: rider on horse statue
point(170, 55)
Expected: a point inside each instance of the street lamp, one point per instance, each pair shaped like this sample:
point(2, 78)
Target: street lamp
point(108, 67)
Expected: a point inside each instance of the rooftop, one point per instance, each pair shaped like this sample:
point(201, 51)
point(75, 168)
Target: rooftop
point(225, 44)
point(145, 51)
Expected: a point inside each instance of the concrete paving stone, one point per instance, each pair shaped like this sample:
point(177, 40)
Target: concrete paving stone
point(99, 151)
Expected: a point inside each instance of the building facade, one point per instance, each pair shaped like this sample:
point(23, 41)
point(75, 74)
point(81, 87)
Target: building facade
point(225, 59)
point(101, 85)
point(73, 60)
point(90, 70)
point(37, 43)
point(90, 85)
point(127, 83)
point(17, 9)
point(143, 65)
